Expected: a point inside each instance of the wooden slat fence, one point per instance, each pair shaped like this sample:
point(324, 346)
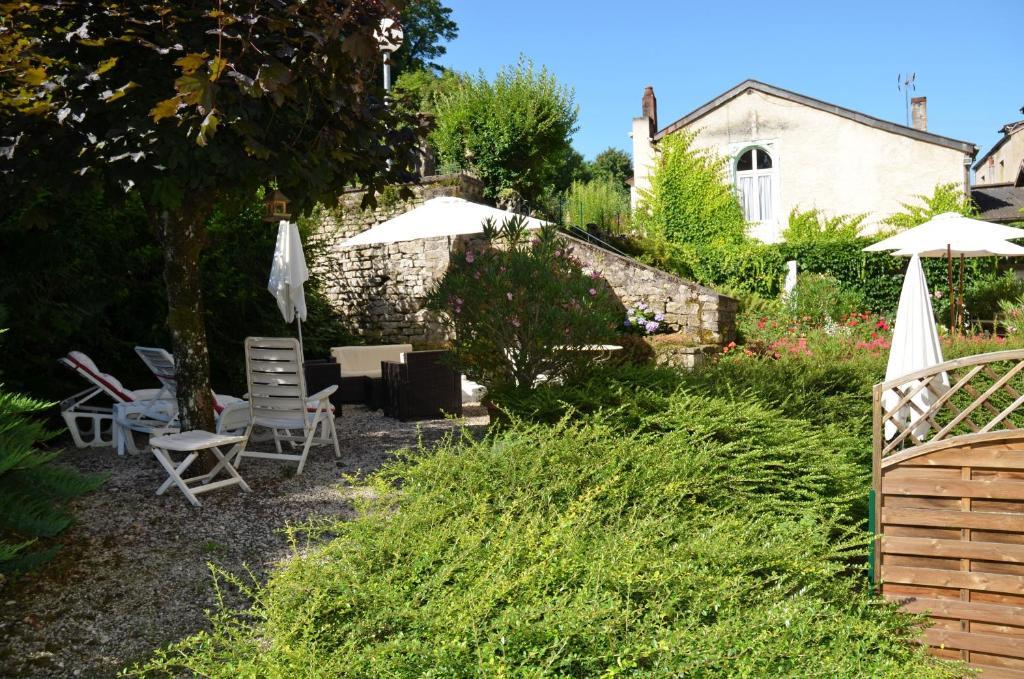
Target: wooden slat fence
point(949, 506)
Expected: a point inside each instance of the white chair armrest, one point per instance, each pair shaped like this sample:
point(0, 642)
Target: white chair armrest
point(323, 393)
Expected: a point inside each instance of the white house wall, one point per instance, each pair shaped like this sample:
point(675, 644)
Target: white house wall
point(823, 160)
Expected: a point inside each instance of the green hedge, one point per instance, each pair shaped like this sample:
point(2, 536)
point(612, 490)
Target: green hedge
point(878, 277)
point(751, 267)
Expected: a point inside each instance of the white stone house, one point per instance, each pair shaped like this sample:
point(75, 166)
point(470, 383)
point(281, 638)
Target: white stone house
point(1004, 162)
point(787, 151)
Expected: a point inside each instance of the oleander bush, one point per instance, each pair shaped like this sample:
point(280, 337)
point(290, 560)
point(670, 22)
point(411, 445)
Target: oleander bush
point(519, 306)
point(640, 523)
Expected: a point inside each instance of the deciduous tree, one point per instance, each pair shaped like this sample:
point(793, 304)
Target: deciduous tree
point(612, 163)
point(426, 23)
point(190, 104)
point(513, 132)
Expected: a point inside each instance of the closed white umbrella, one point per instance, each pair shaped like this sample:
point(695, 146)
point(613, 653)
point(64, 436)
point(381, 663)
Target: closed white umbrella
point(288, 274)
point(446, 216)
point(915, 346)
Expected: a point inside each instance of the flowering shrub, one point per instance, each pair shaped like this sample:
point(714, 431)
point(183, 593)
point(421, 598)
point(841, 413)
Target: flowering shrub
point(857, 334)
point(643, 320)
point(520, 306)
point(775, 337)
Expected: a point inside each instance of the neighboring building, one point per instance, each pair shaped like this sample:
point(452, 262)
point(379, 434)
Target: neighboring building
point(1000, 202)
point(1005, 161)
point(786, 151)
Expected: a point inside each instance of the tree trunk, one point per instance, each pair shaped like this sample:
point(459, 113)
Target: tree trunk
point(183, 236)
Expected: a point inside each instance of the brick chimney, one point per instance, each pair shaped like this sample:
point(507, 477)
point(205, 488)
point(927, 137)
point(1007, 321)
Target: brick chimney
point(649, 107)
point(919, 113)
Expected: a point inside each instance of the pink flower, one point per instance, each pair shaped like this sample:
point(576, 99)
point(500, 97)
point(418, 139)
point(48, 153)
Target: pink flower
point(515, 321)
point(470, 257)
point(592, 291)
point(476, 275)
point(509, 295)
point(558, 253)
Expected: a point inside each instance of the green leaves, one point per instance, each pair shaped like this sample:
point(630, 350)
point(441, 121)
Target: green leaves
point(513, 132)
point(690, 201)
point(33, 492)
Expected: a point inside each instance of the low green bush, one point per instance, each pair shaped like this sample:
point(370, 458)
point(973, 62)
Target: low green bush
point(669, 534)
point(820, 297)
point(983, 293)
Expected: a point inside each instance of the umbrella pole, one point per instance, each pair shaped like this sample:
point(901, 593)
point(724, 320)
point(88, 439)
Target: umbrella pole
point(961, 307)
point(952, 292)
point(299, 321)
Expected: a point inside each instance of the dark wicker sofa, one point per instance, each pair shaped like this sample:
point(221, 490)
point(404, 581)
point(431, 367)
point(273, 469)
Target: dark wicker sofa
point(423, 386)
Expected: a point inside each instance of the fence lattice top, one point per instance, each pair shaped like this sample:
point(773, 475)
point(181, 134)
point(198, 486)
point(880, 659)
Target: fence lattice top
point(973, 395)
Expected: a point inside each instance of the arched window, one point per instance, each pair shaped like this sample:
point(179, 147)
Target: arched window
point(754, 174)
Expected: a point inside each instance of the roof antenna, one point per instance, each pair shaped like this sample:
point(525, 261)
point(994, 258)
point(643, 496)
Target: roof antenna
point(906, 84)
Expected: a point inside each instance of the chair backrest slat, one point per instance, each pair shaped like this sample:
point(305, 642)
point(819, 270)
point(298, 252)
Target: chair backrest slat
point(277, 385)
point(161, 363)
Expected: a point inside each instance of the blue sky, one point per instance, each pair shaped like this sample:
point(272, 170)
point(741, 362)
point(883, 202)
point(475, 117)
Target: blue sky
point(967, 55)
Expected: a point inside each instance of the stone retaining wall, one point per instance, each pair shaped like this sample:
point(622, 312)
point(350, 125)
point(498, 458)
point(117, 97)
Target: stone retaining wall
point(700, 313)
point(382, 288)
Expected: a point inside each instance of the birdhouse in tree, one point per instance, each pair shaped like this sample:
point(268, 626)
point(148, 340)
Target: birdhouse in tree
point(277, 207)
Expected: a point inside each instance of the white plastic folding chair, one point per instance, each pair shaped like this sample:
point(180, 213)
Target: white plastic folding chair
point(93, 425)
point(231, 413)
point(278, 401)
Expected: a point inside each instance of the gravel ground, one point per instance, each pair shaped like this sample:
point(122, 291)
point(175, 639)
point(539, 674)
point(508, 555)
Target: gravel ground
point(134, 572)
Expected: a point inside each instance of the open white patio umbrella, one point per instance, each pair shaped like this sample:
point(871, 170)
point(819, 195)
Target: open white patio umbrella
point(446, 216)
point(942, 229)
point(950, 234)
point(915, 346)
point(288, 274)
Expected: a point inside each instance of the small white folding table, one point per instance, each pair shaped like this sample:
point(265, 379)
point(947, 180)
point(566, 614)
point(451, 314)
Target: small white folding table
point(193, 443)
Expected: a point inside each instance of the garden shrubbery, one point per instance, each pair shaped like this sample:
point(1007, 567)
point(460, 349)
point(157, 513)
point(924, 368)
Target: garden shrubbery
point(647, 529)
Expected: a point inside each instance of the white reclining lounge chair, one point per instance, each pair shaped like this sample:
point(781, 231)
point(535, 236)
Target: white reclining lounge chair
point(278, 400)
point(92, 425)
point(232, 414)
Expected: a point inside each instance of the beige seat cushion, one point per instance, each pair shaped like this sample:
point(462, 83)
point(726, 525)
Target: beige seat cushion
point(365, 361)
